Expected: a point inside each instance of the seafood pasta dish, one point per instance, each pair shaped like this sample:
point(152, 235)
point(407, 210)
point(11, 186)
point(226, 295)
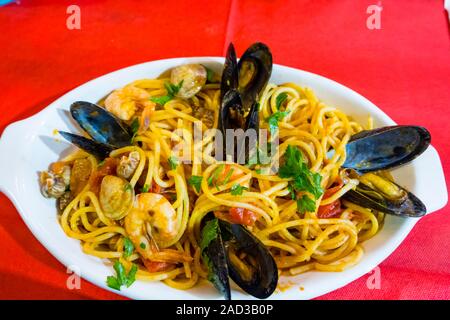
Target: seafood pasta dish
point(202, 174)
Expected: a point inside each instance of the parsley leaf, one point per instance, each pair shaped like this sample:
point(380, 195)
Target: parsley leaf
point(302, 178)
point(209, 74)
point(196, 182)
point(305, 204)
point(123, 278)
point(281, 98)
point(237, 190)
point(121, 273)
point(145, 188)
point(113, 283)
point(215, 174)
point(135, 125)
point(142, 245)
point(209, 232)
point(127, 187)
point(274, 119)
point(228, 176)
point(161, 100)
point(173, 162)
point(128, 247)
point(131, 277)
point(172, 89)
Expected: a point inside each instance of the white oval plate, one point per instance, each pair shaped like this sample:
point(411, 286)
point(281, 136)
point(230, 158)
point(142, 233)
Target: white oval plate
point(29, 146)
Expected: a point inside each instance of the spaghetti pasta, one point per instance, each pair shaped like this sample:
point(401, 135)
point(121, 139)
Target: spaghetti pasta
point(299, 242)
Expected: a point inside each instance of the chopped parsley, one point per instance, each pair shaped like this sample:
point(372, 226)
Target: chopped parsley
point(135, 125)
point(274, 118)
point(134, 128)
point(196, 182)
point(215, 174)
point(228, 176)
point(281, 98)
point(128, 248)
point(172, 90)
point(101, 163)
point(302, 179)
point(305, 204)
point(145, 188)
point(209, 233)
point(161, 100)
point(209, 74)
point(122, 278)
point(237, 190)
point(173, 162)
point(142, 245)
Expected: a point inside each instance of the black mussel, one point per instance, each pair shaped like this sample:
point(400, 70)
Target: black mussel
point(230, 76)
point(99, 150)
point(385, 148)
point(247, 261)
point(257, 272)
point(213, 255)
point(255, 69)
point(100, 124)
point(107, 131)
point(241, 85)
point(247, 80)
point(378, 193)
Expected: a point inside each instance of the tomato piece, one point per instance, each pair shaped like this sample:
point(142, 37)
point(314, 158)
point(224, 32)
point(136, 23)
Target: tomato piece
point(242, 216)
point(108, 167)
point(156, 188)
point(330, 191)
point(331, 210)
point(157, 266)
point(226, 176)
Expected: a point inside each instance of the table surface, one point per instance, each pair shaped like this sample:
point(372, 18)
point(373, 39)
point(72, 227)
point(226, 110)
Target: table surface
point(404, 68)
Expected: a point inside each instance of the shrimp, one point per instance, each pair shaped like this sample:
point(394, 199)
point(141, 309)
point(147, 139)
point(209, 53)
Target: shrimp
point(151, 222)
point(124, 102)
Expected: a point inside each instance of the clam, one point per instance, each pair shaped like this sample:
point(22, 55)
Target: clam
point(190, 77)
point(230, 250)
point(115, 197)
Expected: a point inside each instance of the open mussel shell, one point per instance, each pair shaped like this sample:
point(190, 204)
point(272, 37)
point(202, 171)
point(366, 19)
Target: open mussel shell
point(255, 69)
point(230, 75)
point(261, 276)
point(100, 124)
point(386, 196)
point(222, 244)
point(213, 254)
point(385, 148)
point(99, 150)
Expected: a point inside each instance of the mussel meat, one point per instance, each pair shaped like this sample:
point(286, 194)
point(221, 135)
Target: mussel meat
point(230, 250)
point(378, 193)
point(381, 149)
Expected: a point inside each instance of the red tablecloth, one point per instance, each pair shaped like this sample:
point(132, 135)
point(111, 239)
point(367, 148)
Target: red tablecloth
point(404, 68)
